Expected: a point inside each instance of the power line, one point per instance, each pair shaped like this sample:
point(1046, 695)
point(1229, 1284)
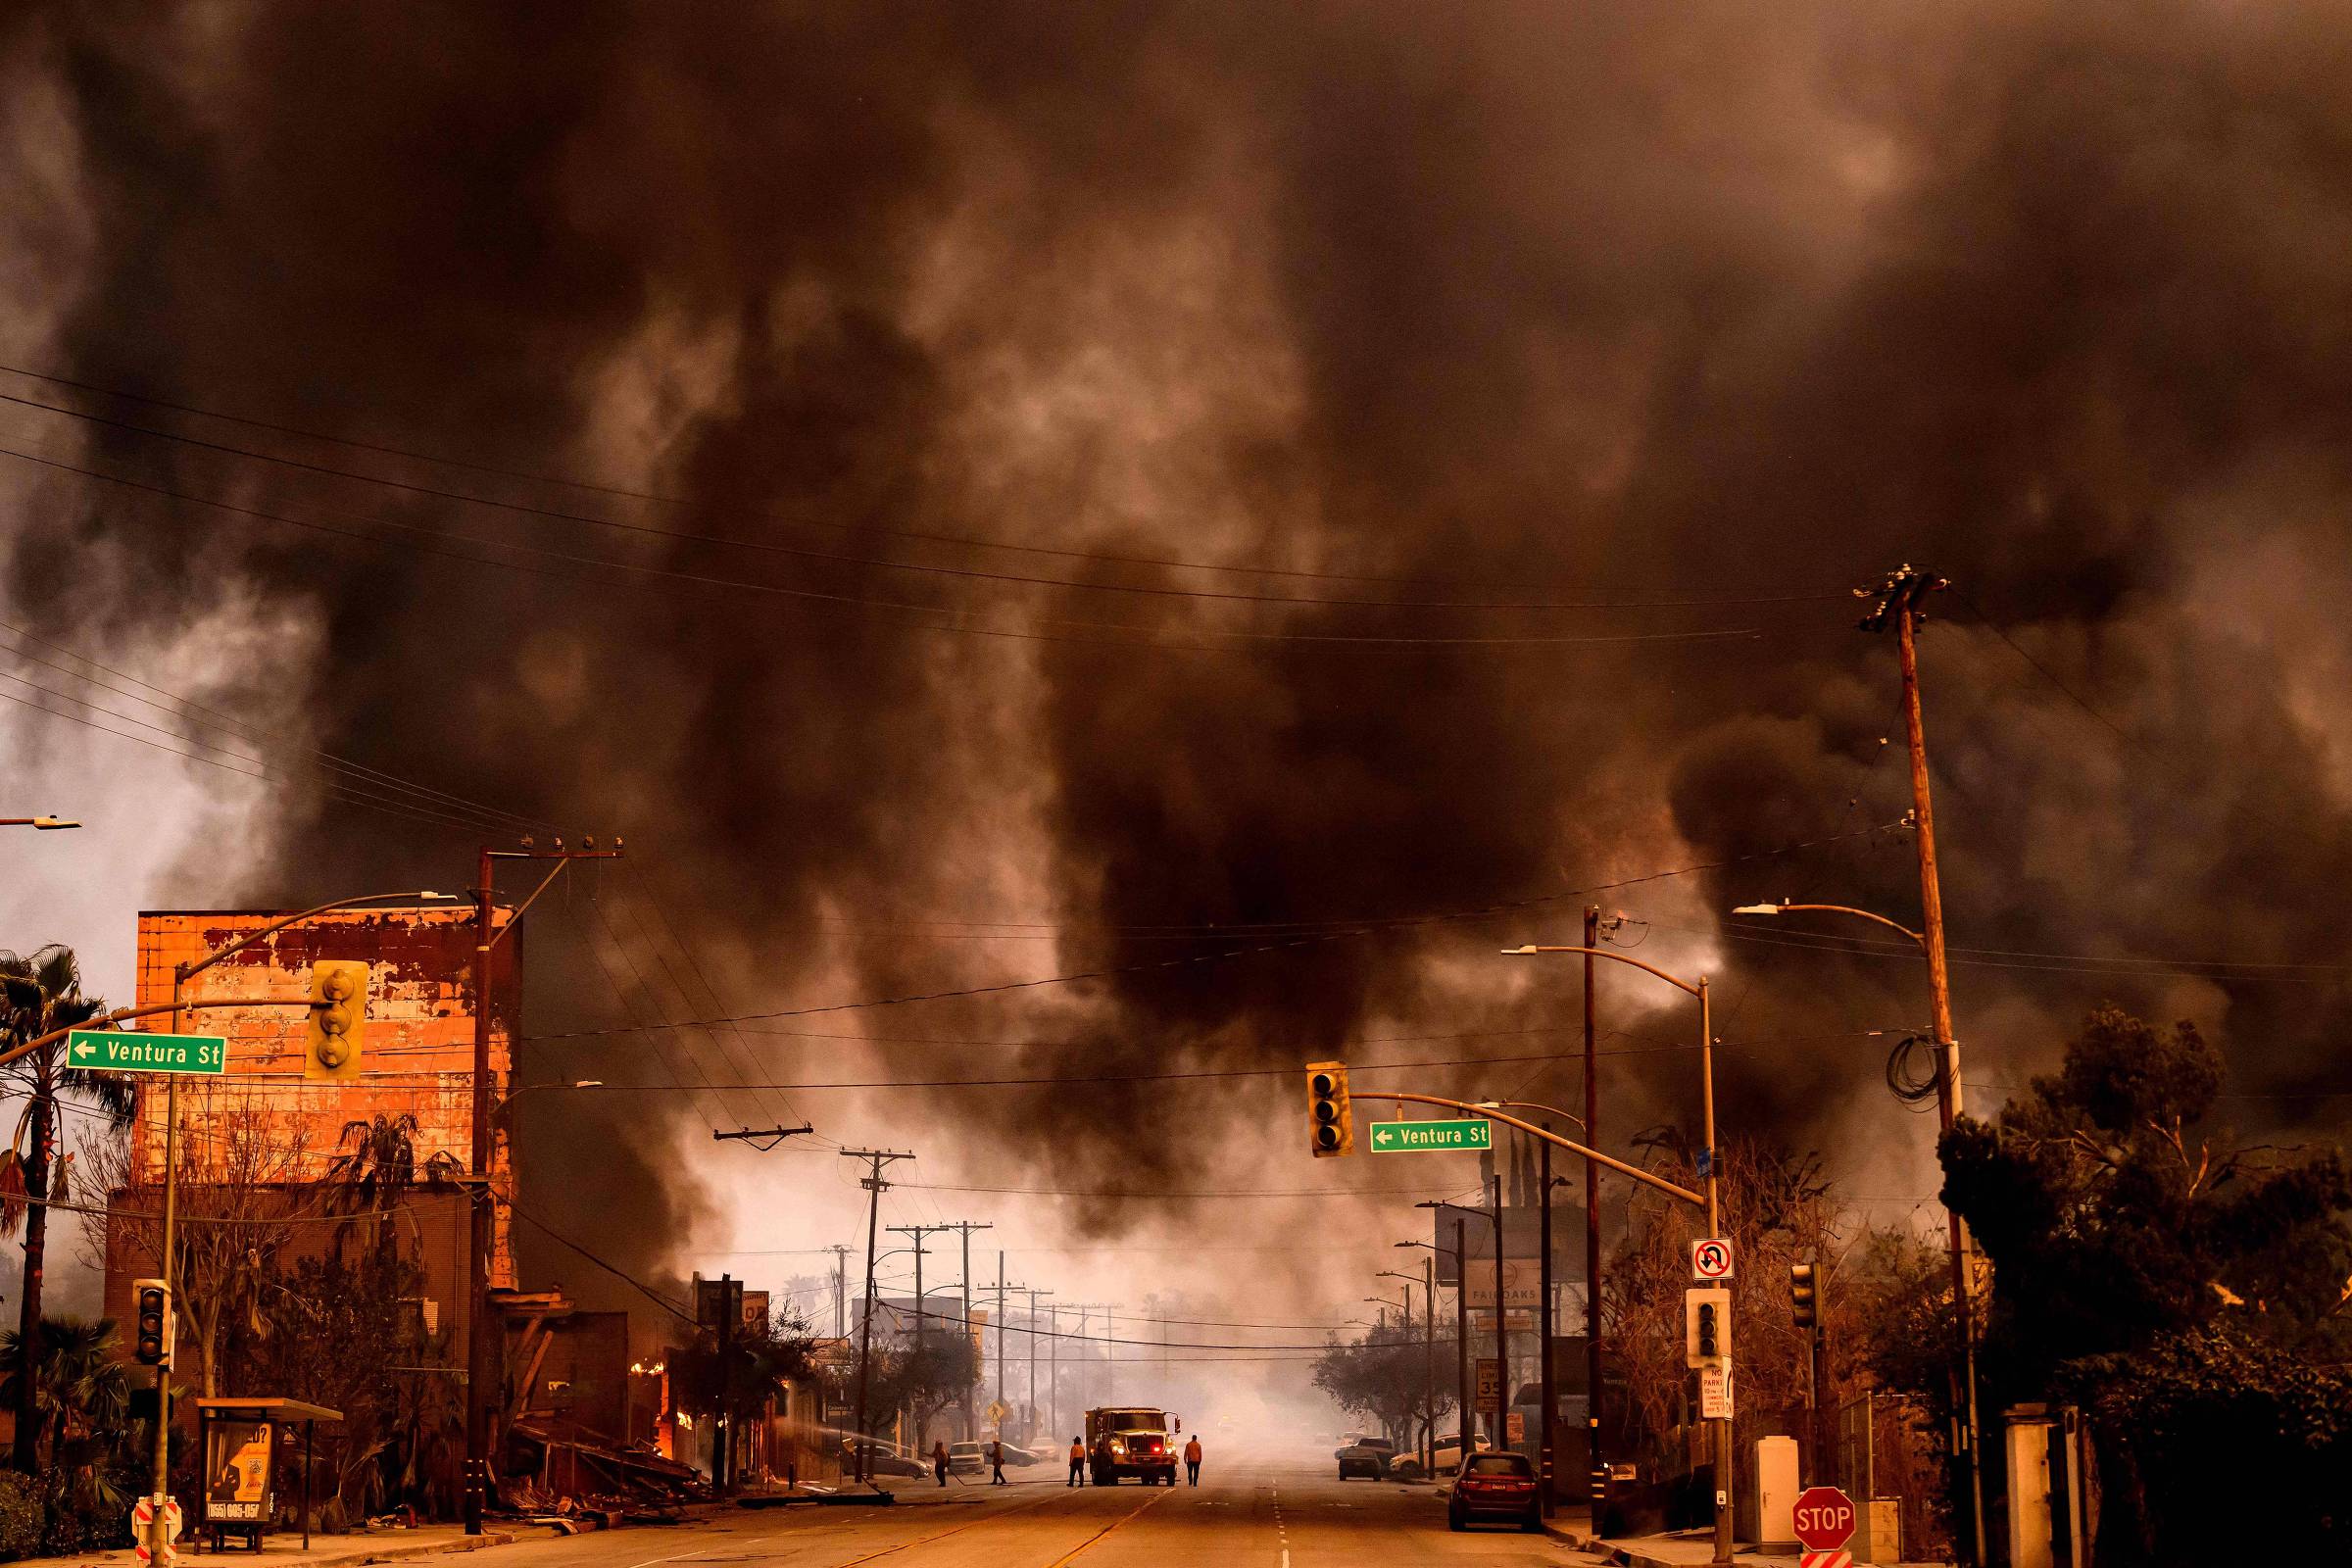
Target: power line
point(1486, 913)
point(186, 709)
point(1098, 557)
point(1144, 635)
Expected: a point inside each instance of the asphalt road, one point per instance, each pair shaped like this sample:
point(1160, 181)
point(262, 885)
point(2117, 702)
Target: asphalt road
point(1271, 1510)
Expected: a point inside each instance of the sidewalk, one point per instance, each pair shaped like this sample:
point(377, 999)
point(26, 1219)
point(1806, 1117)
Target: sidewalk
point(1691, 1548)
point(284, 1549)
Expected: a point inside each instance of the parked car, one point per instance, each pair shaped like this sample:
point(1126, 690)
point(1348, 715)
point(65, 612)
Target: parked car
point(1021, 1457)
point(1500, 1487)
point(967, 1458)
point(1366, 1456)
point(883, 1459)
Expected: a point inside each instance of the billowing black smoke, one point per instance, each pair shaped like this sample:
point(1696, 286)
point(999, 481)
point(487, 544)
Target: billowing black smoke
point(1671, 324)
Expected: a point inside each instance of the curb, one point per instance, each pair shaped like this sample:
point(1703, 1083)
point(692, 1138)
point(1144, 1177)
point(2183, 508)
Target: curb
point(416, 1549)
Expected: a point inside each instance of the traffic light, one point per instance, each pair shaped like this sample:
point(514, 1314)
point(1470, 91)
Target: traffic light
point(1330, 1124)
point(1805, 1297)
point(338, 1020)
point(152, 1343)
point(1706, 1326)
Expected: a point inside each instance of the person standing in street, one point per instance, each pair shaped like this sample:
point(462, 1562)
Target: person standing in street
point(939, 1460)
point(1077, 1459)
point(996, 1463)
point(1192, 1460)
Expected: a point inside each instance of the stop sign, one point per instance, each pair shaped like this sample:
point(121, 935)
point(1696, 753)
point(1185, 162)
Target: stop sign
point(1825, 1518)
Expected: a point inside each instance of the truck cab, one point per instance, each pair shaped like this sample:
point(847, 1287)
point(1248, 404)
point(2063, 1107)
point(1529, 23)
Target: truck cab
point(1132, 1440)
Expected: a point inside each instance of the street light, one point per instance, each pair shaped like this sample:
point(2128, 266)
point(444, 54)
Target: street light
point(1459, 1253)
point(1948, 1097)
point(1697, 990)
point(47, 824)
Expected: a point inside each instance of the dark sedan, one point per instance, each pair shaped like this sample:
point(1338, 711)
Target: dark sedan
point(1366, 1456)
point(1497, 1487)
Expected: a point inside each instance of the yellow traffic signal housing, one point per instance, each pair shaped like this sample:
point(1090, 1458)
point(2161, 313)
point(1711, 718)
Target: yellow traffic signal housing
point(1330, 1123)
point(338, 1020)
point(1804, 1296)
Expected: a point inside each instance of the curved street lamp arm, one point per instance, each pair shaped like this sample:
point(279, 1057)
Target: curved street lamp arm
point(1529, 1104)
point(1676, 981)
point(1532, 1131)
point(188, 971)
point(1847, 908)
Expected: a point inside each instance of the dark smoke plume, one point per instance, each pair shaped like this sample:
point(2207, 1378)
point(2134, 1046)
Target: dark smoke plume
point(1689, 319)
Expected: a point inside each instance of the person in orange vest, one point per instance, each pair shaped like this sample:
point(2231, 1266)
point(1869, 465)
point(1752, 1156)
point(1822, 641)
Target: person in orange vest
point(996, 1463)
point(1077, 1459)
point(1192, 1460)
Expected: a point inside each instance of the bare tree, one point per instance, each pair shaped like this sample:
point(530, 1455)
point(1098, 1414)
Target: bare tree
point(246, 1187)
point(1777, 1209)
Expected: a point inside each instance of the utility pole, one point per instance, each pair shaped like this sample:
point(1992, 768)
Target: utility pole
point(1598, 1476)
point(1546, 1396)
point(1030, 1322)
point(1462, 1331)
point(1054, 1372)
point(923, 1303)
point(1429, 1366)
point(722, 1450)
point(971, 1427)
point(1502, 1331)
point(482, 1352)
point(841, 1289)
point(875, 1185)
point(1898, 602)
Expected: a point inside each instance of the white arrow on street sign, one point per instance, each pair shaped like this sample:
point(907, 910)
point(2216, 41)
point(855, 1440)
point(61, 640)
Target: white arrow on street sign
point(1382, 1138)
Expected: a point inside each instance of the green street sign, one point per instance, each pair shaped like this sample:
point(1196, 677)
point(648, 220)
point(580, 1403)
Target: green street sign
point(127, 1050)
point(1431, 1137)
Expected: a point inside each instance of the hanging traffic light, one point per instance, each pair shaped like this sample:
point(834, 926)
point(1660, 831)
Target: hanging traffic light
point(1804, 1299)
point(1330, 1124)
point(338, 1020)
point(152, 1340)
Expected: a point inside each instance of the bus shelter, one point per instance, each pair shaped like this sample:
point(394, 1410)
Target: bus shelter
point(239, 1440)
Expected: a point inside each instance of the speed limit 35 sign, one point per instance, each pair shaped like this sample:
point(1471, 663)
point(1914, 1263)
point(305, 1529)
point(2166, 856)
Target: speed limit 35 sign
point(1711, 1258)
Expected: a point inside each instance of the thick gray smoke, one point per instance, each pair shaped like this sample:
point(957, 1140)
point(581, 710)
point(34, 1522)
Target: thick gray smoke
point(1684, 318)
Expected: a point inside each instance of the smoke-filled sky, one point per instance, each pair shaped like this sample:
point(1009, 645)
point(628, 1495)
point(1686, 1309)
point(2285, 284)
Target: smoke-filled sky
point(1177, 493)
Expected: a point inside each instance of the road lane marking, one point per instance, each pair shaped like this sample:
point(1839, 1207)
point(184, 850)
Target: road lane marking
point(1089, 1541)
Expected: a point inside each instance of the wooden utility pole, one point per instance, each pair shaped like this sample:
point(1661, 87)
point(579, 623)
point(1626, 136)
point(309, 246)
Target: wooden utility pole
point(1898, 602)
point(873, 1184)
point(1461, 1333)
point(1547, 1398)
point(1502, 1331)
point(482, 1334)
point(1597, 1474)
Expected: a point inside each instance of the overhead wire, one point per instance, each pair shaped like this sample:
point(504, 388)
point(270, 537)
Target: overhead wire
point(1097, 557)
point(1134, 635)
point(191, 712)
point(1109, 971)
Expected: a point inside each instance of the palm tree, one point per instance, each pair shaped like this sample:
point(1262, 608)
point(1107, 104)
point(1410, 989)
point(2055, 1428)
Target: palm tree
point(41, 992)
point(374, 1172)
